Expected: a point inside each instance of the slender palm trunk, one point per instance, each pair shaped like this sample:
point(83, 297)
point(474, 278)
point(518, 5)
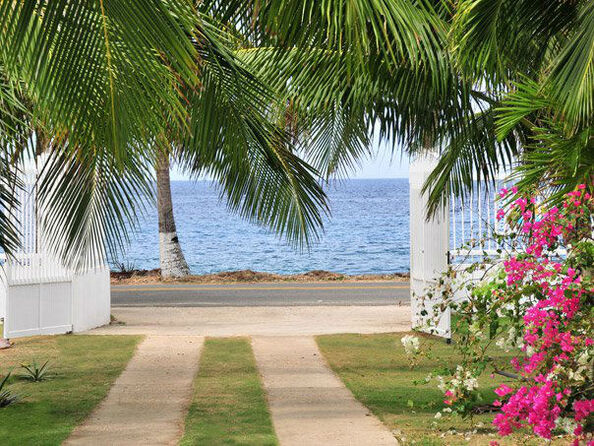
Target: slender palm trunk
point(173, 262)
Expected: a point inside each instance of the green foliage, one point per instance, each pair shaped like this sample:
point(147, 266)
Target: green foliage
point(269, 98)
point(7, 397)
point(146, 77)
point(34, 372)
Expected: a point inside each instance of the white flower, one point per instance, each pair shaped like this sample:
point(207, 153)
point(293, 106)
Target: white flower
point(471, 384)
point(583, 359)
point(411, 344)
point(441, 384)
point(475, 329)
point(511, 341)
point(566, 424)
point(438, 415)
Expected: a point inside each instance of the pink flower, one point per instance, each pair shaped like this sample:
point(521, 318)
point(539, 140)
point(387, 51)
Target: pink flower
point(553, 336)
point(503, 390)
point(583, 408)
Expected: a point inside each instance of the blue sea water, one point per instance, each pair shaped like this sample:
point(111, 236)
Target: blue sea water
point(368, 232)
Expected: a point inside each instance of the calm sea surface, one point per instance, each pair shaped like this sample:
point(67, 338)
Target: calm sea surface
point(366, 233)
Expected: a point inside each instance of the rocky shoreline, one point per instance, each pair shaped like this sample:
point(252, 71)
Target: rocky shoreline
point(248, 276)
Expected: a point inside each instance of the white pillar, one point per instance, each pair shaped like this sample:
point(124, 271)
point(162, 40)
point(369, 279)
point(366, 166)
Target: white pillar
point(429, 246)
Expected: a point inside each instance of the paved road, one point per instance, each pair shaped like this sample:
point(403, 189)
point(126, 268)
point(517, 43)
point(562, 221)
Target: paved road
point(260, 294)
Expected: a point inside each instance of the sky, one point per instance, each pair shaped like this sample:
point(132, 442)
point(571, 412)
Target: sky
point(384, 165)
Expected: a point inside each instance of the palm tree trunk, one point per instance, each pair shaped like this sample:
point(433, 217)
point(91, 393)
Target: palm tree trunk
point(173, 262)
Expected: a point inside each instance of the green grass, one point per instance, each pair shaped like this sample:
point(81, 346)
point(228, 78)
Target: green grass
point(377, 371)
point(83, 369)
point(229, 406)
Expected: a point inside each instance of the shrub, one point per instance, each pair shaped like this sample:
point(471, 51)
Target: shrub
point(537, 303)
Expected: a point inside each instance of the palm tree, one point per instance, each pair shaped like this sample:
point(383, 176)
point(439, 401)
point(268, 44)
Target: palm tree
point(491, 84)
point(485, 81)
point(173, 262)
point(108, 82)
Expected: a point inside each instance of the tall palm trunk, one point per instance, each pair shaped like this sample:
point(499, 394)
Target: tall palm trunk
point(173, 262)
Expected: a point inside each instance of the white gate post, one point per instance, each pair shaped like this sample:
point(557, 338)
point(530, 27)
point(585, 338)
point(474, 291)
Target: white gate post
point(429, 246)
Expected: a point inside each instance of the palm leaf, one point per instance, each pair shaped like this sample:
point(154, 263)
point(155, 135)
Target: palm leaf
point(572, 77)
point(87, 200)
point(234, 140)
point(101, 71)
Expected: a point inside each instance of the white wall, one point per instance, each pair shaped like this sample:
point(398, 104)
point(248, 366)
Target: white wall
point(3, 287)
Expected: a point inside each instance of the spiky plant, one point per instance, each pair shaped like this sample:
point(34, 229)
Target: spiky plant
point(35, 372)
point(7, 397)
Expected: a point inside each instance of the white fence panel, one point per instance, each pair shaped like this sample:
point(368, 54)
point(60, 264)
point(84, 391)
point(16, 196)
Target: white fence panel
point(39, 295)
point(3, 288)
point(38, 309)
point(91, 305)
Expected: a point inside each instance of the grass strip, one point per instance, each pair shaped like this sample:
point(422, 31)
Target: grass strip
point(81, 368)
point(229, 406)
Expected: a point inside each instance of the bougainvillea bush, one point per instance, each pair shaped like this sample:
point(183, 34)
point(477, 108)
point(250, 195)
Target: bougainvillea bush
point(538, 304)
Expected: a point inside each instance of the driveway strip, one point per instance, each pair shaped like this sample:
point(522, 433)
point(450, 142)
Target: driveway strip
point(148, 402)
point(308, 403)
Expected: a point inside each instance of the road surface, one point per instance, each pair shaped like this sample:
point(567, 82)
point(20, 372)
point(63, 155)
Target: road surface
point(261, 294)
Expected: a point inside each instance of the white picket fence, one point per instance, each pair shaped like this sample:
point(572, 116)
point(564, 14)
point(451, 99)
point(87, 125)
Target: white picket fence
point(38, 293)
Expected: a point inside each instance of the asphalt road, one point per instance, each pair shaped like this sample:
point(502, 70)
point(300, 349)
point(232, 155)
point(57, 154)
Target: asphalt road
point(261, 294)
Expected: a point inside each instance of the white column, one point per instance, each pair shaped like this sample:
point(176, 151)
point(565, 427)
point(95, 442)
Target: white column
point(429, 246)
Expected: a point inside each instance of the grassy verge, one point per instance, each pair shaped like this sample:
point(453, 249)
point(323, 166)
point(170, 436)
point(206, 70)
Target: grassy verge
point(377, 371)
point(229, 406)
point(82, 370)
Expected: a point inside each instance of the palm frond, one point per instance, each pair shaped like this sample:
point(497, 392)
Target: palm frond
point(403, 30)
point(521, 107)
point(470, 160)
point(572, 77)
point(327, 110)
point(87, 200)
point(234, 140)
point(494, 40)
point(556, 163)
point(100, 72)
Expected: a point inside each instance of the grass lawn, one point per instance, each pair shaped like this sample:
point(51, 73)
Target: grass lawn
point(229, 406)
point(376, 369)
point(83, 369)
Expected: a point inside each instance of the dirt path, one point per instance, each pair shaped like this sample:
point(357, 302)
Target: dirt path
point(309, 404)
point(148, 402)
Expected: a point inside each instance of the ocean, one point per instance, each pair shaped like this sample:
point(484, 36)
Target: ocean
point(367, 233)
